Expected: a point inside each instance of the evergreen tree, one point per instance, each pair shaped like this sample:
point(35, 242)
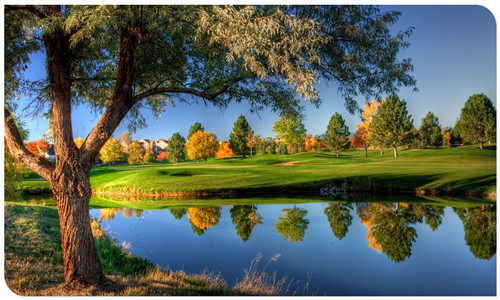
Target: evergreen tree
point(391, 126)
point(176, 150)
point(238, 138)
point(426, 128)
point(339, 217)
point(195, 128)
point(293, 224)
point(478, 120)
point(436, 138)
point(337, 134)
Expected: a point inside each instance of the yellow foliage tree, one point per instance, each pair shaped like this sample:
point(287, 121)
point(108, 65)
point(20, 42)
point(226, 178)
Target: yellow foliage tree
point(79, 142)
point(111, 152)
point(204, 217)
point(224, 151)
point(201, 145)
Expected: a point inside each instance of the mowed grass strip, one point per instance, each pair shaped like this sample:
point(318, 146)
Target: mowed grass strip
point(465, 168)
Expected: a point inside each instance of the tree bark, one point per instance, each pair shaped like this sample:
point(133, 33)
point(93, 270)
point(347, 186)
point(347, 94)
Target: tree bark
point(381, 151)
point(72, 192)
point(480, 144)
point(395, 152)
point(366, 153)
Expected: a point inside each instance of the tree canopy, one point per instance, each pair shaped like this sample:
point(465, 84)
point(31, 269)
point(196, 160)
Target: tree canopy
point(238, 137)
point(478, 120)
point(337, 134)
point(117, 59)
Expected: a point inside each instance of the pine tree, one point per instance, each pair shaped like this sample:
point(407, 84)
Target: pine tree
point(391, 126)
point(176, 150)
point(436, 138)
point(195, 128)
point(478, 120)
point(238, 138)
point(337, 134)
point(426, 129)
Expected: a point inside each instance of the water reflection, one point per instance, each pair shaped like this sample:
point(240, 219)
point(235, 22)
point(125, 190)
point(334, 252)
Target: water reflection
point(293, 224)
point(246, 218)
point(480, 229)
point(391, 227)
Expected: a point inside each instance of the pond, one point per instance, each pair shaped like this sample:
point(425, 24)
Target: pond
point(404, 246)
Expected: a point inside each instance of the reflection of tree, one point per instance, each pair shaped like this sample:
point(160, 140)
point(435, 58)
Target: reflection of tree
point(107, 214)
point(339, 218)
point(245, 219)
point(196, 230)
point(366, 217)
point(127, 212)
point(390, 229)
point(178, 213)
point(433, 214)
point(293, 224)
point(204, 217)
point(480, 229)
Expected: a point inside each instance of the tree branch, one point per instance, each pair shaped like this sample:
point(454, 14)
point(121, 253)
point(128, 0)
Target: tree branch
point(40, 165)
point(30, 8)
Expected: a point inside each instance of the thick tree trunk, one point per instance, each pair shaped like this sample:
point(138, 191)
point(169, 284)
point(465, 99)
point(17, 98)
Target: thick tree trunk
point(480, 144)
point(72, 191)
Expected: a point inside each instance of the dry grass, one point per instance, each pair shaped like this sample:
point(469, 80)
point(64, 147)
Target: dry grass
point(33, 265)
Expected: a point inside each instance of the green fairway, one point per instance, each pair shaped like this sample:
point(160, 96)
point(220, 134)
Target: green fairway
point(457, 169)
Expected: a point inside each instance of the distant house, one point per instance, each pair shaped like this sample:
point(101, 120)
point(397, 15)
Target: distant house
point(161, 145)
point(148, 144)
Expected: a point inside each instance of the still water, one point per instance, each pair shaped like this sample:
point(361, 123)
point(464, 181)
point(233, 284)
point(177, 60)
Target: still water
point(335, 248)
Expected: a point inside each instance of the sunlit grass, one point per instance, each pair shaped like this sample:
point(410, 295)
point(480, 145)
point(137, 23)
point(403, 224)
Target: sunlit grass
point(459, 169)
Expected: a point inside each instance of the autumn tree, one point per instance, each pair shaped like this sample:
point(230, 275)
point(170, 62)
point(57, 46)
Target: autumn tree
point(201, 145)
point(195, 128)
point(204, 217)
point(478, 120)
point(125, 140)
point(362, 137)
point(224, 151)
point(162, 156)
point(111, 152)
point(238, 137)
point(391, 125)
point(135, 153)
point(79, 142)
point(101, 57)
point(293, 224)
point(337, 134)
point(39, 148)
point(291, 131)
point(150, 156)
point(176, 151)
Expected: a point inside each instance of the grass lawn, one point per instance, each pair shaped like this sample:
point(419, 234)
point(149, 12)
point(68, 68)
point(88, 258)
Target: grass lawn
point(465, 168)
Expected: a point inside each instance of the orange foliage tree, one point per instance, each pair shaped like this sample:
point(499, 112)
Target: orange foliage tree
point(162, 156)
point(38, 148)
point(224, 151)
point(201, 145)
point(363, 134)
point(204, 217)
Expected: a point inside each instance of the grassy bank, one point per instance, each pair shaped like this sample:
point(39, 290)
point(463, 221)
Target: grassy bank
point(463, 169)
point(33, 263)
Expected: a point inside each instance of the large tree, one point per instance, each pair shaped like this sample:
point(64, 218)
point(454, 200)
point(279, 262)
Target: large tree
point(337, 134)
point(238, 137)
point(478, 120)
point(429, 122)
point(117, 59)
point(290, 131)
point(176, 150)
point(391, 126)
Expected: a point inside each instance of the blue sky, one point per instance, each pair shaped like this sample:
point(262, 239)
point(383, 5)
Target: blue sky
point(453, 50)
